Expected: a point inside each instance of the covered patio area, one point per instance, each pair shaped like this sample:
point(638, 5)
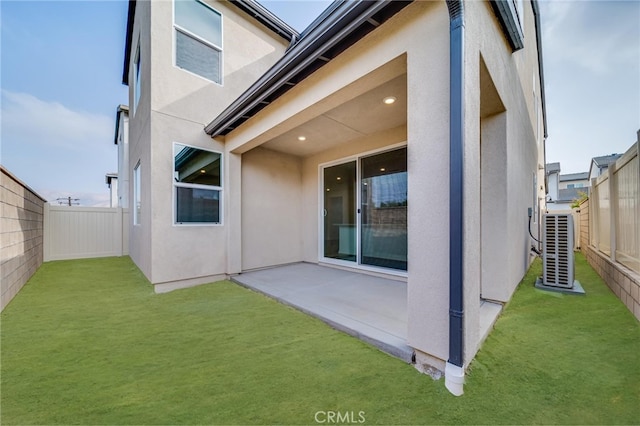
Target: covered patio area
point(371, 308)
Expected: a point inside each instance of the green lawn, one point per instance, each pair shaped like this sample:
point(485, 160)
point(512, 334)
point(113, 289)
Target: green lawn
point(87, 342)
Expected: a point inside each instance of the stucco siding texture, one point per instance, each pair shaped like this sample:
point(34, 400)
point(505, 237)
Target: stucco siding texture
point(21, 235)
point(271, 208)
point(174, 106)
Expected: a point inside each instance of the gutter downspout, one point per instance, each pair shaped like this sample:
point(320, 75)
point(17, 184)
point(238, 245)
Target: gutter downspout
point(454, 370)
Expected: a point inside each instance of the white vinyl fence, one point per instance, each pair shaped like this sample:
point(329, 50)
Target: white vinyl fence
point(615, 211)
point(84, 232)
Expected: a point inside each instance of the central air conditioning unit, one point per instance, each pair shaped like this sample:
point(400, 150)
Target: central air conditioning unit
point(557, 249)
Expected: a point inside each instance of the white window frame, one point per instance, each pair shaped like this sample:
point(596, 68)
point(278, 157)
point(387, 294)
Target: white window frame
point(320, 247)
point(197, 186)
point(137, 85)
point(137, 199)
point(194, 36)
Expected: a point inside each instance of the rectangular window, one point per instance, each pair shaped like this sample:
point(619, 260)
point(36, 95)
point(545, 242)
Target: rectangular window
point(136, 195)
point(197, 179)
point(136, 80)
point(570, 186)
point(198, 39)
point(535, 198)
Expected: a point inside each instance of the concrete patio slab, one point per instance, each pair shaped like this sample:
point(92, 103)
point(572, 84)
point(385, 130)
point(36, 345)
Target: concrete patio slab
point(371, 308)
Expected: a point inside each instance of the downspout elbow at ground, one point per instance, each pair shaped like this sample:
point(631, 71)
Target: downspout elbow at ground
point(454, 370)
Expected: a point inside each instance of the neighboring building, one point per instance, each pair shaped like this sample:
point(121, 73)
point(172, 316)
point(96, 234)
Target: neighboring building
point(553, 181)
point(600, 164)
point(118, 183)
point(574, 181)
point(355, 143)
point(111, 179)
point(565, 189)
point(121, 139)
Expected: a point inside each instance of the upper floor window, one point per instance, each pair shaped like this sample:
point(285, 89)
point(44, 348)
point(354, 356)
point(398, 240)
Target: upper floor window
point(197, 179)
point(520, 11)
point(198, 39)
point(136, 80)
point(137, 203)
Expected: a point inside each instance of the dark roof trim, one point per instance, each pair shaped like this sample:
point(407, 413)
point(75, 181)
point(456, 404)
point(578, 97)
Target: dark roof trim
point(251, 7)
point(574, 176)
point(340, 26)
point(605, 160)
point(109, 177)
point(536, 17)
point(507, 14)
point(266, 18)
point(127, 47)
point(121, 109)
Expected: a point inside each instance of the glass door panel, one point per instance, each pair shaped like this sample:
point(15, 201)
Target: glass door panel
point(383, 188)
point(340, 225)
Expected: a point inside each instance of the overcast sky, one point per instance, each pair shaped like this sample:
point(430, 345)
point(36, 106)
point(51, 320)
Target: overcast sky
point(61, 70)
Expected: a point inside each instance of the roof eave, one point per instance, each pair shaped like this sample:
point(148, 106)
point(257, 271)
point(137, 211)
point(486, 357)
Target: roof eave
point(336, 25)
point(127, 47)
point(536, 16)
point(267, 18)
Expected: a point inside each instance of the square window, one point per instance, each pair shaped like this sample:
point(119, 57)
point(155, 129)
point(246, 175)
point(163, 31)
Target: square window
point(198, 39)
point(197, 178)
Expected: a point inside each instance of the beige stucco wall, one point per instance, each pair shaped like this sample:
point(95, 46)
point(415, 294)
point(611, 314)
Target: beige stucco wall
point(140, 247)
point(260, 185)
point(420, 35)
point(174, 107)
point(515, 76)
point(414, 42)
point(271, 208)
point(21, 235)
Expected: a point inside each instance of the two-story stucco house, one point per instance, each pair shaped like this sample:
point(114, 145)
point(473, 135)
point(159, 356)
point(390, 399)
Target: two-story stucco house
point(403, 138)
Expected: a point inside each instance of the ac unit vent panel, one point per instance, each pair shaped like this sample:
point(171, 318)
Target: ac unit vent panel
point(557, 246)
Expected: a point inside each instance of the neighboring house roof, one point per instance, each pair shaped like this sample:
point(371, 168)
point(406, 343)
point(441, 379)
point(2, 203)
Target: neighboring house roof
point(251, 7)
point(109, 177)
point(341, 25)
point(574, 176)
point(604, 161)
point(121, 109)
point(553, 168)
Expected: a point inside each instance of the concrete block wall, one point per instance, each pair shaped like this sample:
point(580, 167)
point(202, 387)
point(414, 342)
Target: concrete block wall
point(624, 282)
point(21, 235)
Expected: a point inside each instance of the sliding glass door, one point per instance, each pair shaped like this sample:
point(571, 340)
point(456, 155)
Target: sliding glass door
point(339, 187)
point(383, 215)
point(365, 210)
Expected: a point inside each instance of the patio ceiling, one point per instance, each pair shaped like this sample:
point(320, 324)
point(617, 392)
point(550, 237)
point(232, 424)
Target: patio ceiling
point(361, 116)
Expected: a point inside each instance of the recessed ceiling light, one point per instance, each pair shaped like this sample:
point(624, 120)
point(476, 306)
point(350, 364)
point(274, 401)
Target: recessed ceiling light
point(302, 138)
point(382, 169)
point(389, 100)
point(338, 178)
point(203, 171)
point(328, 190)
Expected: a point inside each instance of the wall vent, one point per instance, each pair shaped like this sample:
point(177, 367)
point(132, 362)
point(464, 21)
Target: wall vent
point(557, 245)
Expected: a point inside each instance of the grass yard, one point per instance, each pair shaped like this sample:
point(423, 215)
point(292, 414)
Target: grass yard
point(87, 342)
